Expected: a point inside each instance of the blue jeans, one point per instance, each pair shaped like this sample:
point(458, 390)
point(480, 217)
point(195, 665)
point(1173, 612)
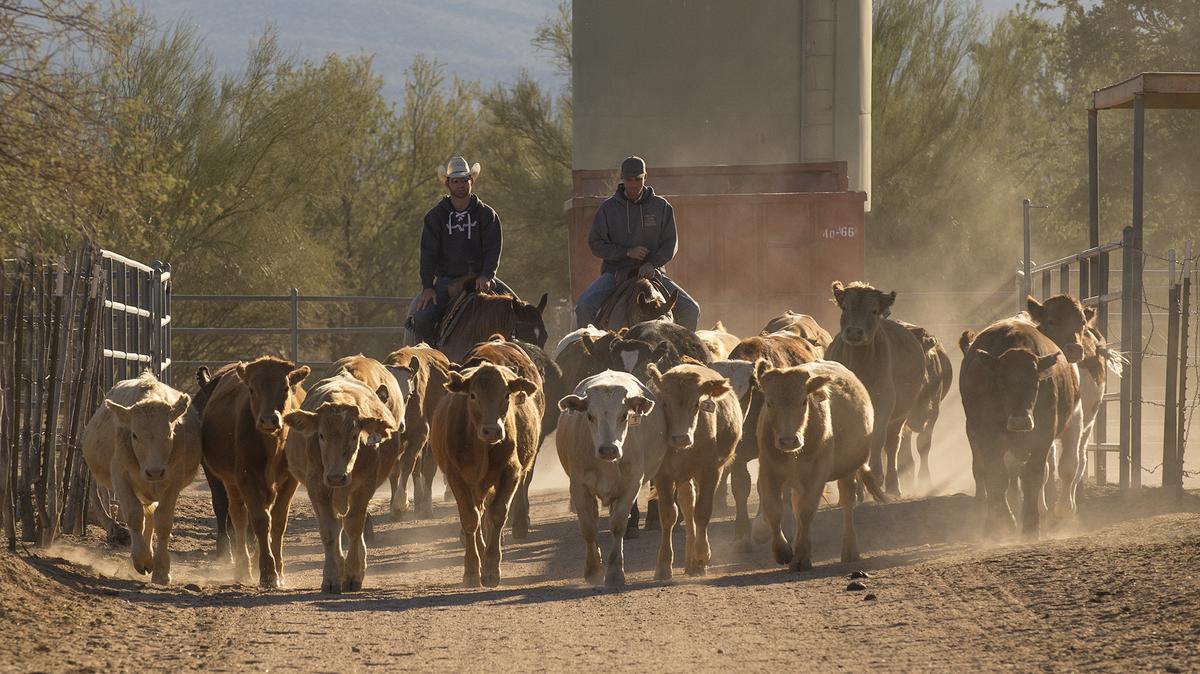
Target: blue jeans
point(686, 312)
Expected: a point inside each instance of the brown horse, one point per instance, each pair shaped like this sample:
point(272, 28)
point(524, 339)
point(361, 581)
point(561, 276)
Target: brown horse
point(486, 314)
point(635, 300)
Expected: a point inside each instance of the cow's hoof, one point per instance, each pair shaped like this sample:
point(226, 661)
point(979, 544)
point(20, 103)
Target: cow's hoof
point(783, 552)
point(160, 578)
point(615, 577)
point(398, 515)
point(142, 567)
point(851, 557)
point(329, 586)
point(352, 584)
point(490, 578)
point(662, 573)
point(799, 565)
point(471, 581)
point(652, 525)
point(425, 513)
point(632, 532)
point(270, 582)
point(697, 570)
point(594, 576)
point(118, 537)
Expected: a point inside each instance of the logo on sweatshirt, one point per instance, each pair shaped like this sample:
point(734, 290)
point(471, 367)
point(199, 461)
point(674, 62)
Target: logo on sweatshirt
point(649, 221)
point(460, 222)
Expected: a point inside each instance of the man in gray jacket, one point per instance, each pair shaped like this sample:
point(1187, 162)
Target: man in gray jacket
point(634, 227)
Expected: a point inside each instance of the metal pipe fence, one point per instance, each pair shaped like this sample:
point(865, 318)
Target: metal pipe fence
point(293, 330)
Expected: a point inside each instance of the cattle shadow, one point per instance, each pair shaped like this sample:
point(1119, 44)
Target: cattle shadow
point(906, 533)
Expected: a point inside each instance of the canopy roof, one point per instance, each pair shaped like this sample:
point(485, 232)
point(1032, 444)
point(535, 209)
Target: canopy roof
point(1158, 91)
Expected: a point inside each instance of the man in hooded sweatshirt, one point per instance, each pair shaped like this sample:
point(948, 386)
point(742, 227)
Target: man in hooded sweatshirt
point(461, 236)
point(634, 228)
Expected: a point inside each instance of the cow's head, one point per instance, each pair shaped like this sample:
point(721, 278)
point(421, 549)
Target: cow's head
point(528, 324)
point(344, 428)
point(491, 391)
point(633, 355)
point(787, 393)
point(151, 428)
point(1064, 320)
point(404, 375)
point(273, 385)
point(1017, 375)
point(686, 392)
point(610, 410)
point(585, 357)
point(863, 308)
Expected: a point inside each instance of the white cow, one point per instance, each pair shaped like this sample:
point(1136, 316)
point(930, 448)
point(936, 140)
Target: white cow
point(143, 444)
point(609, 437)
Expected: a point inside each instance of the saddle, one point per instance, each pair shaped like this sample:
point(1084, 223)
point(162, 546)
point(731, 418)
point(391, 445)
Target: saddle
point(627, 282)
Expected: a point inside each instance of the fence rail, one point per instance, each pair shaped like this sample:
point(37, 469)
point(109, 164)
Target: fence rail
point(293, 330)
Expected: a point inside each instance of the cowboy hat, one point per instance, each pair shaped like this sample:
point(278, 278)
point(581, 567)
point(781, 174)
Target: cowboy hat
point(458, 167)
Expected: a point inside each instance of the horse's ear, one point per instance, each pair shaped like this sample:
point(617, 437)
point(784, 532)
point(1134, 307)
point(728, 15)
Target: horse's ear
point(541, 305)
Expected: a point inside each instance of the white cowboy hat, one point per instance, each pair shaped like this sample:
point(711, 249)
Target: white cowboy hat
point(457, 167)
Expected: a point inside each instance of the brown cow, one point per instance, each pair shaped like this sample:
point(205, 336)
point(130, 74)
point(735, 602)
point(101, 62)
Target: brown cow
point(425, 369)
point(887, 359)
point(143, 444)
point(243, 436)
point(939, 376)
point(1070, 326)
point(815, 428)
point(499, 351)
point(779, 349)
point(718, 341)
point(1019, 395)
point(703, 423)
point(801, 325)
point(485, 437)
point(342, 448)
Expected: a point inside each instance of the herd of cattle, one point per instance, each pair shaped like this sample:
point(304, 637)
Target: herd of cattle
point(651, 402)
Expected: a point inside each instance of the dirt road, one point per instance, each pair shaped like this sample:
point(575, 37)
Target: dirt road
point(1120, 592)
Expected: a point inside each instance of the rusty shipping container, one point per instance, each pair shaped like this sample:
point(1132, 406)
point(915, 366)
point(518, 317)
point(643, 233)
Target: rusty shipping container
point(753, 240)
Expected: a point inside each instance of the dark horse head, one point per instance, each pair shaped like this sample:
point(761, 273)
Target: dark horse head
point(490, 314)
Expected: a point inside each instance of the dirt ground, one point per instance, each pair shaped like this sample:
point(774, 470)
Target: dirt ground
point(1119, 591)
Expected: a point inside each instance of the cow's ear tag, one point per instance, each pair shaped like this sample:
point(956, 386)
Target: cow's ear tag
point(635, 419)
point(708, 406)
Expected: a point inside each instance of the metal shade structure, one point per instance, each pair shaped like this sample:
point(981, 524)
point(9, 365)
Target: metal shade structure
point(1155, 91)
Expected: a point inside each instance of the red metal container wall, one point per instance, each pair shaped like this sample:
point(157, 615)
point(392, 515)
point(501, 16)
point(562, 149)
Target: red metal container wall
point(748, 257)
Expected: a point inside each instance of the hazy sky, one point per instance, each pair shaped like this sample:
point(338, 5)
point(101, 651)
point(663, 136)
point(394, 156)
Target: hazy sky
point(477, 39)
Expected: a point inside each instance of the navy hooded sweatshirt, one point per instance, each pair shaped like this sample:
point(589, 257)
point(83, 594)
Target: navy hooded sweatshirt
point(621, 224)
point(456, 243)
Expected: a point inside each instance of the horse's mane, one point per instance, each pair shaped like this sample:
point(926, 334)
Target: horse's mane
point(491, 314)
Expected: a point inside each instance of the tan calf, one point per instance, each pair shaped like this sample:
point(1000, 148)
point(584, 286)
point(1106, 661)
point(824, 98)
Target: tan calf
point(485, 437)
point(342, 450)
point(143, 444)
point(815, 428)
point(425, 369)
point(703, 423)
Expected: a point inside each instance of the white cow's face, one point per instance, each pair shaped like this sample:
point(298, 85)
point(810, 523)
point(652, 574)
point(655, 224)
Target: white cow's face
point(610, 412)
point(151, 428)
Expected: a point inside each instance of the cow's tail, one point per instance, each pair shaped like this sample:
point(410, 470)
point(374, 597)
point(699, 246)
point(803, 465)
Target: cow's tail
point(1114, 359)
point(868, 480)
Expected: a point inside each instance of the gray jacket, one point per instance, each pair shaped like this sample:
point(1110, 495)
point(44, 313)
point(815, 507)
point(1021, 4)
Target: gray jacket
point(621, 224)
